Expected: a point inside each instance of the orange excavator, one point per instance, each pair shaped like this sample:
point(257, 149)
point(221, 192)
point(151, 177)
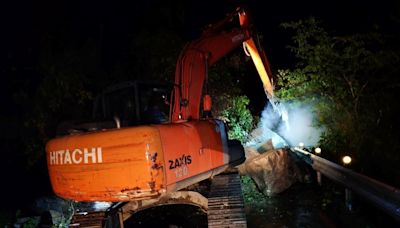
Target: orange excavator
point(149, 161)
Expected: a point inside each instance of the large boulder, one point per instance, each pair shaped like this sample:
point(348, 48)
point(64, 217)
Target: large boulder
point(273, 171)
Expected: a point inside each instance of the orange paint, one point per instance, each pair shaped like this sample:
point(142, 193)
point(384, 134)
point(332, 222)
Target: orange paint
point(124, 172)
point(261, 66)
point(207, 103)
point(135, 162)
point(201, 140)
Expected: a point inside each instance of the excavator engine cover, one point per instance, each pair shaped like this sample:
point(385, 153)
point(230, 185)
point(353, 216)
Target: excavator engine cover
point(138, 162)
point(112, 165)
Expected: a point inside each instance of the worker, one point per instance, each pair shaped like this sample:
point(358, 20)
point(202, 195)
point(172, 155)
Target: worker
point(153, 113)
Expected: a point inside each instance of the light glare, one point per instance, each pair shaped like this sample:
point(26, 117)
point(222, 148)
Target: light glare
point(346, 160)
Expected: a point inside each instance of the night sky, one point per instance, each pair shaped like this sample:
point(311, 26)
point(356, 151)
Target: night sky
point(26, 25)
point(23, 22)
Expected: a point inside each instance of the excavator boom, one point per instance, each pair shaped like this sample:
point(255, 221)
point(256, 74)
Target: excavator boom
point(199, 55)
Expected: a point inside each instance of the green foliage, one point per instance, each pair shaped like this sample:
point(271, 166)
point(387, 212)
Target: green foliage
point(32, 222)
point(24, 221)
point(251, 194)
point(240, 120)
point(342, 77)
point(62, 220)
point(61, 94)
point(229, 104)
point(224, 82)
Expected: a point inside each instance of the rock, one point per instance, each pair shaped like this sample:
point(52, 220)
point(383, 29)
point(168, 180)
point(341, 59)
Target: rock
point(27, 222)
point(267, 146)
point(47, 203)
point(273, 171)
point(52, 210)
point(250, 152)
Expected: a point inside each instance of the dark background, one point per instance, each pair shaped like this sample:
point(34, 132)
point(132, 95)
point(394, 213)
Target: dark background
point(26, 25)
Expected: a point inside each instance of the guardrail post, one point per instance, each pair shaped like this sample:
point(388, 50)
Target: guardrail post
point(348, 194)
point(318, 151)
point(349, 199)
point(319, 178)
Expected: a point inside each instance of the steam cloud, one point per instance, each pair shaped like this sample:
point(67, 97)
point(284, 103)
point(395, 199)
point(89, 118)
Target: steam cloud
point(286, 124)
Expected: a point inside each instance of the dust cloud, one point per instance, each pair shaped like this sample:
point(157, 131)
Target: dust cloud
point(287, 124)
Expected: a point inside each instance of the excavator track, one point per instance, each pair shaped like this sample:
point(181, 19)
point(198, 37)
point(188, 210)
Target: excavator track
point(225, 207)
point(225, 202)
point(92, 219)
point(88, 217)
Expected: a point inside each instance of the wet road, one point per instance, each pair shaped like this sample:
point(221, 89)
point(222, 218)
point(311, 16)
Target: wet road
point(309, 205)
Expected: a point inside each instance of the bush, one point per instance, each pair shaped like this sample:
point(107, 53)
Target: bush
point(239, 118)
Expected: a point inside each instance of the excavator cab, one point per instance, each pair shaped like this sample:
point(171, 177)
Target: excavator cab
point(134, 103)
point(124, 104)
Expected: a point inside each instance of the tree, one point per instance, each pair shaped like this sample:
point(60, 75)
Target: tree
point(229, 101)
point(240, 120)
point(346, 79)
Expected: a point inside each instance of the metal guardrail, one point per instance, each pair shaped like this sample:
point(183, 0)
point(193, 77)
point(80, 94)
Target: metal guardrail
point(379, 194)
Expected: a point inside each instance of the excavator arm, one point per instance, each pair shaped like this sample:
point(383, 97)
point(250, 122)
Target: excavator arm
point(194, 61)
